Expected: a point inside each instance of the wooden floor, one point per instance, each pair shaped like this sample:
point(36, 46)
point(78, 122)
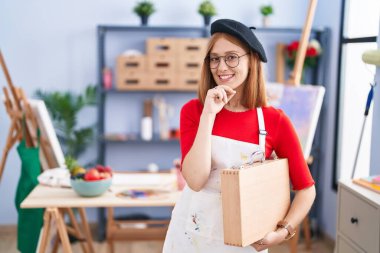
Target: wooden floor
point(8, 243)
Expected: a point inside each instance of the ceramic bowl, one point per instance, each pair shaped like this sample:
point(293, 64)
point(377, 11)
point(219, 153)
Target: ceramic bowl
point(91, 188)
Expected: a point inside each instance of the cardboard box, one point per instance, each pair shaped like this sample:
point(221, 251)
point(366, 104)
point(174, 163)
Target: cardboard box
point(254, 200)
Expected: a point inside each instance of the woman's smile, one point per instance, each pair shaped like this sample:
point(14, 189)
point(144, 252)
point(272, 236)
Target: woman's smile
point(224, 78)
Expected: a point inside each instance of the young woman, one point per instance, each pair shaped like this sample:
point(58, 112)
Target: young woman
point(229, 121)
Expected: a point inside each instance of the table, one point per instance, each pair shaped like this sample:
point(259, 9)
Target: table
point(57, 200)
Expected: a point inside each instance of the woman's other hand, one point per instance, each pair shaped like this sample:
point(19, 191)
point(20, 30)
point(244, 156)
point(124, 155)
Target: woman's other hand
point(271, 239)
point(217, 98)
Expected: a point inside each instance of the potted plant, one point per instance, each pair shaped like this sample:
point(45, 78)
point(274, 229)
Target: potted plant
point(144, 9)
point(64, 108)
point(266, 11)
point(207, 10)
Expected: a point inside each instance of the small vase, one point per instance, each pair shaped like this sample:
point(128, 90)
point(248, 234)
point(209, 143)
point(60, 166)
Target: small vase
point(266, 21)
point(144, 20)
point(207, 20)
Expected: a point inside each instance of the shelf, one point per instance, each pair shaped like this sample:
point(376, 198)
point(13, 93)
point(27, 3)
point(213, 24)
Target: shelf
point(135, 139)
point(194, 28)
point(106, 35)
point(107, 28)
point(139, 230)
point(115, 91)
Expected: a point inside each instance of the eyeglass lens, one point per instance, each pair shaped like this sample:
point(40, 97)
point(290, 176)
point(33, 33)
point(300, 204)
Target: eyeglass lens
point(231, 60)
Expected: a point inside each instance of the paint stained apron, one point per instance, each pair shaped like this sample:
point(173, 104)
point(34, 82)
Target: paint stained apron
point(196, 225)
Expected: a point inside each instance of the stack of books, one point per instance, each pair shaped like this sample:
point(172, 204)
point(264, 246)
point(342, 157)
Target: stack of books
point(371, 182)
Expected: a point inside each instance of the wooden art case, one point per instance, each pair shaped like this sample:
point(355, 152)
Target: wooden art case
point(254, 199)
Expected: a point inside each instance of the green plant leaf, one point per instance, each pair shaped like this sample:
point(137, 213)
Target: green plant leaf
point(144, 8)
point(82, 138)
point(266, 10)
point(71, 163)
point(64, 108)
point(206, 8)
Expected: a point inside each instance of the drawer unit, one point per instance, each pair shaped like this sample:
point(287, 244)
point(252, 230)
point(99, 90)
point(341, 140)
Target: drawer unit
point(162, 63)
point(192, 47)
point(358, 218)
point(131, 80)
point(162, 80)
point(162, 46)
point(131, 63)
point(346, 247)
point(189, 80)
point(185, 64)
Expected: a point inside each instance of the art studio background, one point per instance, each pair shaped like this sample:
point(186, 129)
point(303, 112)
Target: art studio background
point(52, 46)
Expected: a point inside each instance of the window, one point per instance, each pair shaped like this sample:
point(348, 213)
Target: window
point(359, 28)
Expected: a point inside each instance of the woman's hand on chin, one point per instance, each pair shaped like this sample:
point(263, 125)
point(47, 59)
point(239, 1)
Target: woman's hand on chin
point(217, 97)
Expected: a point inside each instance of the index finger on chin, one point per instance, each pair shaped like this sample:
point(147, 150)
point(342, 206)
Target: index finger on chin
point(228, 89)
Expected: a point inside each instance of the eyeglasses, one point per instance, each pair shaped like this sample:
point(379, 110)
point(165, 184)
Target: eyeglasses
point(231, 60)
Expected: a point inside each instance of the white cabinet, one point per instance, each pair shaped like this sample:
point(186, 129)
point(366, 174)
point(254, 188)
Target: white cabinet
point(358, 217)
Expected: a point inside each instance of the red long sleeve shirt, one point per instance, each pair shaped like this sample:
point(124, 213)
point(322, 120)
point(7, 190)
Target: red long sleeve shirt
point(243, 126)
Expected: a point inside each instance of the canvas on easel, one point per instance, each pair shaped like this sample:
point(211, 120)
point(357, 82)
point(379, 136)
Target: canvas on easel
point(47, 131)
point(302, 104)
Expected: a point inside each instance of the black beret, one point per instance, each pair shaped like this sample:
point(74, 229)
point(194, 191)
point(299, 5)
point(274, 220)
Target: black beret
point(241, 32)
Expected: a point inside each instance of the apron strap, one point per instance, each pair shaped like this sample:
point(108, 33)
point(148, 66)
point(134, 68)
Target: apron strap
point(262, 131)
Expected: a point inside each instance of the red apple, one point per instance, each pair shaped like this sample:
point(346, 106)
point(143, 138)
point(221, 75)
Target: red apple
point(108, 169)
point(92, 175)
point(100, 168)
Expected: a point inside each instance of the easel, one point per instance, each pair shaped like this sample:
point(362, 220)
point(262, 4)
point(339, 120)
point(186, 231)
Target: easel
point(295, 79)
point(296, 74)
point(55, 215)
point(18, 107)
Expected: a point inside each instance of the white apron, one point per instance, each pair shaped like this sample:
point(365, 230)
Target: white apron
point(196, 225)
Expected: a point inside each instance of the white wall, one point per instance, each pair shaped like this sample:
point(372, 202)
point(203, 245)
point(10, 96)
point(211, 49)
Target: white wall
point(328, 14)
point(52, 45)
point(375, 147)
